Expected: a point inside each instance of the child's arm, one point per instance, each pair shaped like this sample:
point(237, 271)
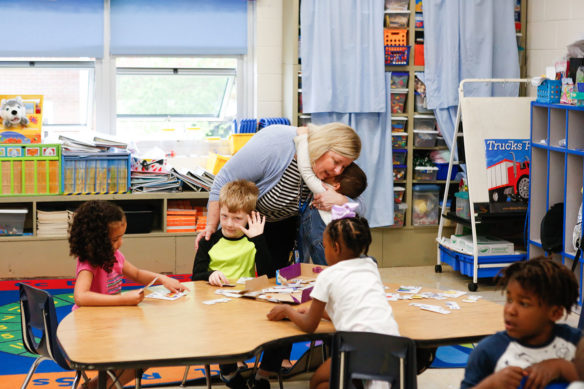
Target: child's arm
point(145, 276)
point(544, 372)
point(307, 321)
point(507, 378)
point(85, 297)
point(202, 260)
point(304, 166)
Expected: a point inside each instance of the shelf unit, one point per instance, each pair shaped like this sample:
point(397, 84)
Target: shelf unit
point(557, 175)
point(160, 251)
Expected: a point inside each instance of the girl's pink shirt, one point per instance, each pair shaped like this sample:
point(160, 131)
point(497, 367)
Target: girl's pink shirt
point(103, 282)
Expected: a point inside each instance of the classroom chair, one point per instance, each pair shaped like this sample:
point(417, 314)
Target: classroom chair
point(308, 362)
point(371, 356)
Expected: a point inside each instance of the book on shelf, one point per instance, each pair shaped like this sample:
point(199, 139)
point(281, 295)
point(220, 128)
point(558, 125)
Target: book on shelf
point(105, 142)
point(80, 146)
point(191, 181)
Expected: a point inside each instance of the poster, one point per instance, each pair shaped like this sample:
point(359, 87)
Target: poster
point(507, 170)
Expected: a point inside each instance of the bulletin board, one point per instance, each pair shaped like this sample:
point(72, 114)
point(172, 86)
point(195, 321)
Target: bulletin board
point(23, 133)
point(489, 118)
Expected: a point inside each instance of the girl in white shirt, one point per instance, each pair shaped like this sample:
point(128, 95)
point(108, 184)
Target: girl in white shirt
point(349, 292)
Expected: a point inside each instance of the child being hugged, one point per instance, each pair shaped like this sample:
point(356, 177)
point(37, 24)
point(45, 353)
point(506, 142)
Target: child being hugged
point(533, 350)
point(234, 251)
point(349, 292)
point(350, 183)
point(95, 239)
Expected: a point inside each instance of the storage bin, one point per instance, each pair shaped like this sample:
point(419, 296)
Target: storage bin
point(398, 100)
point(419, 54)
point(397, 19)
point(419, 20)
point(399, 172)
point(399, 156)
point(12, 221)
point(399, 124)
point(420, 103)
point(399, 214)
point(399, 80)
point(398, 194)
point(395, 37)
point(216, 161)
point(464, 263)
point(237, 141)
point(425, 138)
point(139, 220)
point(397, 5)
point(462, 205)
point(440, 142)
point(425, 204)
point(94, 173)
point(427, 173)
point(424, 122)
point(549, 91)
point(419, 7)
point(397, 55)
point(399, 140)
point(443, 171)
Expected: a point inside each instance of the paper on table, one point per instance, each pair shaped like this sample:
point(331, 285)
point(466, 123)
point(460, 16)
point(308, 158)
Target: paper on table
point(161, 293)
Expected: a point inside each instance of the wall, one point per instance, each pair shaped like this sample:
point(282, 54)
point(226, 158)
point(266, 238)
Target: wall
point(551, 26)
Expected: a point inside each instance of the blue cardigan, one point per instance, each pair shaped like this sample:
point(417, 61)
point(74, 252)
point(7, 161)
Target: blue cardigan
point(262, 160)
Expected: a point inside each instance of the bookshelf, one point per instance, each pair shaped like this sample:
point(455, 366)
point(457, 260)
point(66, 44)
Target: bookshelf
point(160, 251)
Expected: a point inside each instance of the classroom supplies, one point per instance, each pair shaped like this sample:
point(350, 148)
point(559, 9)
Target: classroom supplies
point(22, 123)
point(12, 221)
point(95, 173)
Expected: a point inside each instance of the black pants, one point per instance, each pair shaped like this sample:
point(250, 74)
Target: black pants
point(280, 238)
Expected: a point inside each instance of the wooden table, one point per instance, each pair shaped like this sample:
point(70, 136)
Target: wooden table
point(186, 331)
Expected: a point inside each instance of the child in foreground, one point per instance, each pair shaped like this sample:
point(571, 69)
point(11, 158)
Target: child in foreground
point(349, 292)
point(95, 239)
point(533, 350)
point(350, 183)
point(233, 251)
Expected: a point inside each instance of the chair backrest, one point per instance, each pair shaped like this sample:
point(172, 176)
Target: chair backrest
point(371, 356)
point(39, 320)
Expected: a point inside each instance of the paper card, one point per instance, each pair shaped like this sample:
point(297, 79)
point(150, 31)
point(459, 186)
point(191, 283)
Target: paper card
point(453, 293)
point(452, 305)
point(243, 280)
point(215, 301)
point(409, 289)
point(431, 308)
point(161, 293)
point(228, 293)
point(392, 296)
point(471, 299)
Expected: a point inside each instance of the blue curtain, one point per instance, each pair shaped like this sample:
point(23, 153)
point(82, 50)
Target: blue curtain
point(376, 160)
point(467, 39)
point(178, 27)
point(342, 56)
point(44, 28)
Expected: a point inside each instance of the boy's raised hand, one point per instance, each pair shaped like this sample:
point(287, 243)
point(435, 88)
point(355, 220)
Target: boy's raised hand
point(255, 225)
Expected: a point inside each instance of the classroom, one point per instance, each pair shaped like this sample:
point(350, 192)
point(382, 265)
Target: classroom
point(407, 171)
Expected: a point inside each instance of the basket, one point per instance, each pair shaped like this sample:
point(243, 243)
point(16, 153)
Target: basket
point(549, 91)
point(95, 173)
point(237, 141)
point(397, 55)
point(395, 37)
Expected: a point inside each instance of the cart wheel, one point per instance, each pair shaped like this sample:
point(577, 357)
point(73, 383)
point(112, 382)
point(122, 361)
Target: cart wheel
point(437, 268)
point(472, 286)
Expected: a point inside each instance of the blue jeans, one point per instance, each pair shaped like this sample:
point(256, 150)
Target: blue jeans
point(310, 237)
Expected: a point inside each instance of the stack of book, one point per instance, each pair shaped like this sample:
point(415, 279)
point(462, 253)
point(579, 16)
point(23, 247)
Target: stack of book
point(53, 223)
point(154, 182)
point(197, 179)
point(98, 144)
point(201, 219)
point(181, 216)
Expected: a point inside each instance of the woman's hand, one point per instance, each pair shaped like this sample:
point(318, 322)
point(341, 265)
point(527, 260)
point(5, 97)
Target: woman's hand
point(324, 201)
point(255, 225)
point(209, 230)
point(217, 278)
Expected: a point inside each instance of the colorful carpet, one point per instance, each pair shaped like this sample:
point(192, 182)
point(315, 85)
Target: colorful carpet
point(15, 361)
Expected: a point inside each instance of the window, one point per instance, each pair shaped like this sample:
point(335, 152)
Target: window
point(175, 98)
point(67, 86)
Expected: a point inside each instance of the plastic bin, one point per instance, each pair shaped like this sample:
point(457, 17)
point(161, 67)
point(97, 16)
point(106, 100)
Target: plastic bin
point(424, 122)
point(427, 173)
point(94, 173)
point(419, 20)
point(549, 91)
point(399, 214)
point(237, 141)
point(425, 208)
point(397, 19)
point(395, 37)
point(397, 5)
point(425, 138)
point(443, 171)
point(399, 156)
point(398, 194)
point(216, 161)
point(398, 100)
point(139, 220)
point(419, 54)
point(420, 102)
point(399, 124)
point(399, 140)
point(33, 169)
point(399, 172)
point(12, 221)
point(399, 80)
point(462, 205)
point(397, 55)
